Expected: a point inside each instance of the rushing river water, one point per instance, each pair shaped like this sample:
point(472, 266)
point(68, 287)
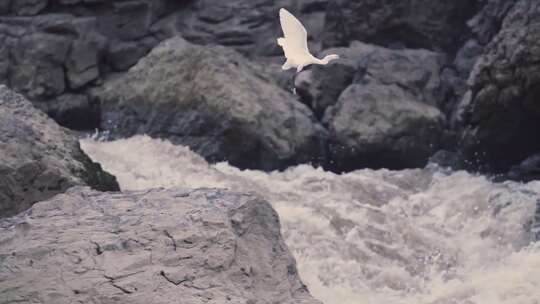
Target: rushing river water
point(378, 237)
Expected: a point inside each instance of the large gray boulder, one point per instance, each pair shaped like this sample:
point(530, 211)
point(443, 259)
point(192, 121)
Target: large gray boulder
point(216, 102)
point(500, 114)
point(416, 71)
point(38, 158)
point(154, 246)
point(436, 25)
point(375, 125)
point(381, 106)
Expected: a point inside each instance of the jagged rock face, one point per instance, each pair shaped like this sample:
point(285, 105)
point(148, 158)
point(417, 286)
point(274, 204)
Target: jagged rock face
point(380, 106)
point(51, 49)
point(214, 101)
point(488, 21)
point(436, 25)
point(38, 158)
point(502, 109)
point(157, 246)
point(52, 52)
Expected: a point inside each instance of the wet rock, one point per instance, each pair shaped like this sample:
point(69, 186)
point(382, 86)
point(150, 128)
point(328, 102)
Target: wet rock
point(154, 246)
point(454, 80)
point(526, 171)
point(435, 25)
point(382, 126)
point(501, 106)
point(39, 159)
point(5, 6)
point(216, 102)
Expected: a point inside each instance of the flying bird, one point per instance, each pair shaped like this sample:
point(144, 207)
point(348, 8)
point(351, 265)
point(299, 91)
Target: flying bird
point(295, 45)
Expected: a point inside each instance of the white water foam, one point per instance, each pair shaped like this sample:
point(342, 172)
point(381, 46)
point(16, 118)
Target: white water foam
point(392, 237)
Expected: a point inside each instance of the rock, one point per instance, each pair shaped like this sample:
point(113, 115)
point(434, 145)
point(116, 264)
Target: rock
point(487, 22)
point(216, 102)
point(417, 71)
point(4, 59)
point(447, 159)
point(527, 171)
point(83, 60)
point(39, 159)
point(37, 68)
point(435, 25)
point(74, 111)
point(502, 105)
point(28, 7)
point(155, 246)
point(5, 6)
point(250, 27)
point(454, 80)
point(382, 126)
point(320, 87)
point(535, 228)
point(123, 55)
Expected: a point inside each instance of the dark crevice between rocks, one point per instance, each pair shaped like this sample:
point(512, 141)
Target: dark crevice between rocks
point(173, 242)
point(113, 284)
point(174, 282)
point(94, 175)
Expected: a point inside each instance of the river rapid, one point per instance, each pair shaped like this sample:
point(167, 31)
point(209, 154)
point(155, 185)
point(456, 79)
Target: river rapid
point(428, 236)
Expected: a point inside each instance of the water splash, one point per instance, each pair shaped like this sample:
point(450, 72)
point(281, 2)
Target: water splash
point(403, 237)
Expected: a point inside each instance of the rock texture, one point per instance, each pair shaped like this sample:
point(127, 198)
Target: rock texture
point(501, 109)
point(214, 101)
point(49, 49)
point(382, 126)
point(380, 106)
point(38, 158)
point(52, 51)
point(58, 53)
point(436, 25)
point(156, 246)
point(416, 71)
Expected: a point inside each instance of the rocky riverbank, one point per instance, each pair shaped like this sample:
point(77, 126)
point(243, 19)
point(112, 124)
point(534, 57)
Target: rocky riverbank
point(443, 76)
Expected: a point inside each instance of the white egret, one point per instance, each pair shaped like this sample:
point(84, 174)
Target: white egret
point(295, 45)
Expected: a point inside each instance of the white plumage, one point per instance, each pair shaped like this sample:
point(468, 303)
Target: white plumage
point(294, 44)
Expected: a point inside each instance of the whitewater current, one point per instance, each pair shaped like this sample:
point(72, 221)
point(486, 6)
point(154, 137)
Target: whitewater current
point(371, 236)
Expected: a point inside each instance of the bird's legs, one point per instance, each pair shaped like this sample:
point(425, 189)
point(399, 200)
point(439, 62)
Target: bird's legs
point(294, 83)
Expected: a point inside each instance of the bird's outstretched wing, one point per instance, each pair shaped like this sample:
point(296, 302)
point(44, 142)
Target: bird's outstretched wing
point(295, 33)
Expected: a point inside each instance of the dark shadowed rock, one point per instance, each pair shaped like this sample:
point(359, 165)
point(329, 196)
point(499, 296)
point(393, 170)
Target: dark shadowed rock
point(38, 158)
point(527, 171)
point(488, 21)
point(216, 102)
point(28, 7)
point(38, 69)
point(502, 108)
point(156, 246)
point(376, 125)
point(83, 60)
point(436, 25)
point(74, 111)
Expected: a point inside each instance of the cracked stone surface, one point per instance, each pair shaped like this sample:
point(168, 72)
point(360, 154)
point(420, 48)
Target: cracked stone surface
point(155, 246)
point(38, 158)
